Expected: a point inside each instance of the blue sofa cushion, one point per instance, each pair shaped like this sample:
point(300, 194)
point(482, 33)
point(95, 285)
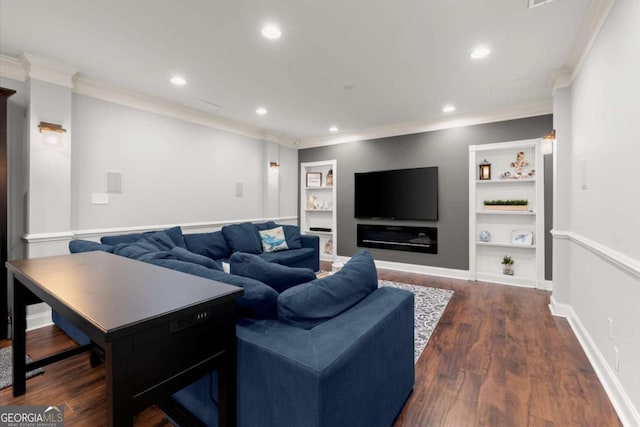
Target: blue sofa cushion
point(175, 233)
point(279, 277)
point(310, 304)
point(292, 234)
point(273, 240)
point(184, 255)
point(79, 245)
point(212, 245)
point(243, 238)
point(158, 241)
point(156, 245)
point(288, 257)
point(258, 301)
point(260, 226)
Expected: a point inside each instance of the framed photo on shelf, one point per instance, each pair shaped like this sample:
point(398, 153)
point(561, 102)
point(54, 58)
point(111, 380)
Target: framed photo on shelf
point(314, 179)
point(519, 237)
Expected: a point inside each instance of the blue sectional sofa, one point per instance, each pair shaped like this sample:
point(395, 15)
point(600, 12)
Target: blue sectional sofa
point(336, 351)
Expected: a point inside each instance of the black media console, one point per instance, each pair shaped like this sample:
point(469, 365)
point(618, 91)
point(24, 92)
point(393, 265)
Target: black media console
point(399, 238)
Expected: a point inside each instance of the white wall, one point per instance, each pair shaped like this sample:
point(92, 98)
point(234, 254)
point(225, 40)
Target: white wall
point(172, 171)
point(597, 269)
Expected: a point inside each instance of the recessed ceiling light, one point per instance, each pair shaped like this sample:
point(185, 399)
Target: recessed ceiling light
point(448, 109)
point(271, 31)
point(178, 80)
point(480, 52)
point(333, 129)
point(261, 111)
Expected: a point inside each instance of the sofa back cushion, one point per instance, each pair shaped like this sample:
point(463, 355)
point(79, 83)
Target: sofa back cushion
point(174, 233)
point(212, 245)
point(310, 304)
point(187, 256)
point(79, 245)
point(243, 238)
point(258, 300)
point(292, 235)
point(279, 277)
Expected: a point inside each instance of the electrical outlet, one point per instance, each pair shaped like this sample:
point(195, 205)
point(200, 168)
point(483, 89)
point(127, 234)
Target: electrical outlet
point(610, 322)
point(617, 354)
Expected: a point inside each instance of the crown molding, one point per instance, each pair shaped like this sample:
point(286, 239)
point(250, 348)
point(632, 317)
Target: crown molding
point(12, 68)
point(560, 79)
point(49, 71)
point(498, 115)
point(596, 17)
point(31, 66)
point(97, 89)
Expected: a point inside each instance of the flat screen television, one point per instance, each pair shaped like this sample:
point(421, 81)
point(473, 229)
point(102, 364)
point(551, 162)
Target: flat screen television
point(404, 194)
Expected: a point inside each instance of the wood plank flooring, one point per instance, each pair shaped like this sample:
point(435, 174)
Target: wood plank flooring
point(497, 358)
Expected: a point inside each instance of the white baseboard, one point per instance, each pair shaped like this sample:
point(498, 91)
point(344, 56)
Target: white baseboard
point(39, 320)
point(620, 400)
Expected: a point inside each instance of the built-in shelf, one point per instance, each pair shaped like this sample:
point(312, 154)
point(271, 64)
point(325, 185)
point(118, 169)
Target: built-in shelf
point(524, 213)
point(313, 201)
point(504, 181)
point(485, 257)
point(506, 245)
point(516, 279)
point(319, 233)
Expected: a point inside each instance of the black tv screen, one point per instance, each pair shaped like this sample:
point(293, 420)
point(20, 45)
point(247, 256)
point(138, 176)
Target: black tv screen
point(407, 194)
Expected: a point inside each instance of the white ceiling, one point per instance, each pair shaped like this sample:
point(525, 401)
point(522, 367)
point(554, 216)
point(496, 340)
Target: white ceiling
point(405, 59)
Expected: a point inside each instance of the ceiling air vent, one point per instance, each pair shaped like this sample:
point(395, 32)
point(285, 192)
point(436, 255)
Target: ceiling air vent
point(209, 103)
point(536, 3)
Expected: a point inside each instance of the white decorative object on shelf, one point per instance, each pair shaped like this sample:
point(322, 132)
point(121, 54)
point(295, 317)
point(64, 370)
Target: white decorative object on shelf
point(519, 237)
point(485, 236)
point(318, 216)
point(517, 172)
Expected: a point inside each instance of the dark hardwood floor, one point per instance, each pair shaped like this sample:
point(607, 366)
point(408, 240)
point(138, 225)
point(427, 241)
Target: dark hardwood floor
point(497, 358)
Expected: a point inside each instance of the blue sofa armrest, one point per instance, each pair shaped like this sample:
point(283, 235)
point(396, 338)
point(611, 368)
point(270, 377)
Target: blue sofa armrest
point(310, 241)
point(356, 369)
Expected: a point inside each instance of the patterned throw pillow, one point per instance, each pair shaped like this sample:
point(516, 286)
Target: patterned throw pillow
point(273, 240)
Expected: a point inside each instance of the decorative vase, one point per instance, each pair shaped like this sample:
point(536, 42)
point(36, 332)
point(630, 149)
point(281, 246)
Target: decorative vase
point(311, 202)
point(485, 236)
point(507, 269)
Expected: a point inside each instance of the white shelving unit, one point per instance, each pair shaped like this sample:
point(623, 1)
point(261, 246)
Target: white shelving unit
point(323, 213)
point(485, 257)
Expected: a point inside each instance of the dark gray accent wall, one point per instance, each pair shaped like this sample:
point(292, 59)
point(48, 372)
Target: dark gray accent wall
point(447, 149)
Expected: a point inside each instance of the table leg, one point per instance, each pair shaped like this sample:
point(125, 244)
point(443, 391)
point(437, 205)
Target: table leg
point(19, 338)
point(118, 378)
point(227, 390)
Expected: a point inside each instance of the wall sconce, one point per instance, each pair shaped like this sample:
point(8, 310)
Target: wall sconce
point(274, 166)
point(485, 170)
point(51, 133)
point(547, 142)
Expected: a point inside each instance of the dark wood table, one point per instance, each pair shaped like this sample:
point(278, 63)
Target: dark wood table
point(160, 329)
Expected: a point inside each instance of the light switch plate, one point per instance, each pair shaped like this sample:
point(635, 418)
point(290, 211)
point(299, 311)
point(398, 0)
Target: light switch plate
point(99, 198)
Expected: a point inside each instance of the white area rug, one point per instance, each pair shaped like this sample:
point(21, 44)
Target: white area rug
point(6, 371)
point(430, 303)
